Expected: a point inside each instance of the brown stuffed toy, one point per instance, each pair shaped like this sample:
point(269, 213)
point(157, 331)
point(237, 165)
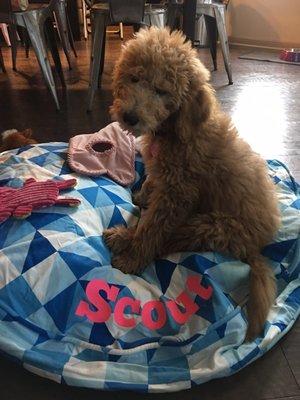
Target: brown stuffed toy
point(12, 139)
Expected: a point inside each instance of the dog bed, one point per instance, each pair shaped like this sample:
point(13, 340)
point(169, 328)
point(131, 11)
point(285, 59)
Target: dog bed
point(67, 315)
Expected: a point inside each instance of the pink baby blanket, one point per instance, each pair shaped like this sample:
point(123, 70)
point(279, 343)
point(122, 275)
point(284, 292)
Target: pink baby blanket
point(110, 151)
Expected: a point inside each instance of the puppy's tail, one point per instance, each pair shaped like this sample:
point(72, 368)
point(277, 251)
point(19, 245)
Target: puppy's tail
point(262, 295)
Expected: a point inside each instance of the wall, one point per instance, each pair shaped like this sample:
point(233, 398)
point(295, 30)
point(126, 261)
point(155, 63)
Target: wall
point(273, 23)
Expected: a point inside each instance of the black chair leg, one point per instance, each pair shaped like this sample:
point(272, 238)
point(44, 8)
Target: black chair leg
point(172, 16)
point(212, 33)
point(102, 61)
point(2, 66)
point(71, 38)
point(189, 19)
point(98, 36)
point(25, 40)
point(13, 35)
point(27, 44)
point(50, 33)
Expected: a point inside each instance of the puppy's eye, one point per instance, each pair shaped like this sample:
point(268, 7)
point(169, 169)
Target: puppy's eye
point(134, 79)
point(160, 92)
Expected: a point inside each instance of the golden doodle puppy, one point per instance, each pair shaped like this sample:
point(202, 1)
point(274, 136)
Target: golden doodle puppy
point(206, 189)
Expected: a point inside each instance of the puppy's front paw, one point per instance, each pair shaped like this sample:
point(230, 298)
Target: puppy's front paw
point(126, 263)
point(117, 238)
point(139, 200)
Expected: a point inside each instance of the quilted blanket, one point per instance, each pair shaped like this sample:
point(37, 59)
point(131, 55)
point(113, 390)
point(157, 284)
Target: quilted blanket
point(67, 315)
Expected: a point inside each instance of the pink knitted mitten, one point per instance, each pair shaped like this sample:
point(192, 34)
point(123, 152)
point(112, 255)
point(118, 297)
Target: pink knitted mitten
point(20, 202)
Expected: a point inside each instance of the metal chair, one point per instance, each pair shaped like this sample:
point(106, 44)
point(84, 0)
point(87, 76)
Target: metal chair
point(86, 7)
point(64, 29)
point(214, 14)
point(37, 21)
point(63, 26)
point(102, 15)
point(174, 14)
point(156, 14)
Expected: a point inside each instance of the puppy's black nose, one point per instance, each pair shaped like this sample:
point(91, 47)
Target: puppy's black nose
point(130, 118)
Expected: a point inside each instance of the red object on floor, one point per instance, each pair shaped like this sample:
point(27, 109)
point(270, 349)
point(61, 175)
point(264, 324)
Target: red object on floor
point(291, 55)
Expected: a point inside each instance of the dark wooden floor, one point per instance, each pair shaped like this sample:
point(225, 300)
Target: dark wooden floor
point(264, 100)
point(264, 103)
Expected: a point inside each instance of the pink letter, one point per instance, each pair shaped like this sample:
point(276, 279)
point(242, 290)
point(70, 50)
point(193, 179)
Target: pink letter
point(120, 308)
point(147, 318)
point(194, 285)
point(103, 309)
point(190, 308)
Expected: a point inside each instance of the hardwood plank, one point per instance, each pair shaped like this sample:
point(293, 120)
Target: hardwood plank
point(287, 398)
point(266, 378)
point(291, 349)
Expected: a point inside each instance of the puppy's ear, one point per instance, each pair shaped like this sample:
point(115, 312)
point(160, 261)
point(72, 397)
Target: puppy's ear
point(27, 133)
point(202, 103)
point(196, 108)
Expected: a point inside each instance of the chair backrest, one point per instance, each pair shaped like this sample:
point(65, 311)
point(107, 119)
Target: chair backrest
point(129, 11)
point(6, 11)
point(5, 6)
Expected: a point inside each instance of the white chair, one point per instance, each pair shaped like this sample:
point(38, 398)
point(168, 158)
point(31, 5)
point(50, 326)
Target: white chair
point(214, 14)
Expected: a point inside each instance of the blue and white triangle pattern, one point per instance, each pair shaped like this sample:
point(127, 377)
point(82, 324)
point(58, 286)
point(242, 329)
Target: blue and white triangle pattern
point(48, 260)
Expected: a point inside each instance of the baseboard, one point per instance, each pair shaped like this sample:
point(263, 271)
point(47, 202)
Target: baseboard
point(261, 44)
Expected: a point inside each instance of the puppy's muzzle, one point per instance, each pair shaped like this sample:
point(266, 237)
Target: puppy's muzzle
point(130, 118)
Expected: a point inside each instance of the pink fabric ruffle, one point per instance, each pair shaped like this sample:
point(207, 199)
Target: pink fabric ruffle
point(111, 151)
